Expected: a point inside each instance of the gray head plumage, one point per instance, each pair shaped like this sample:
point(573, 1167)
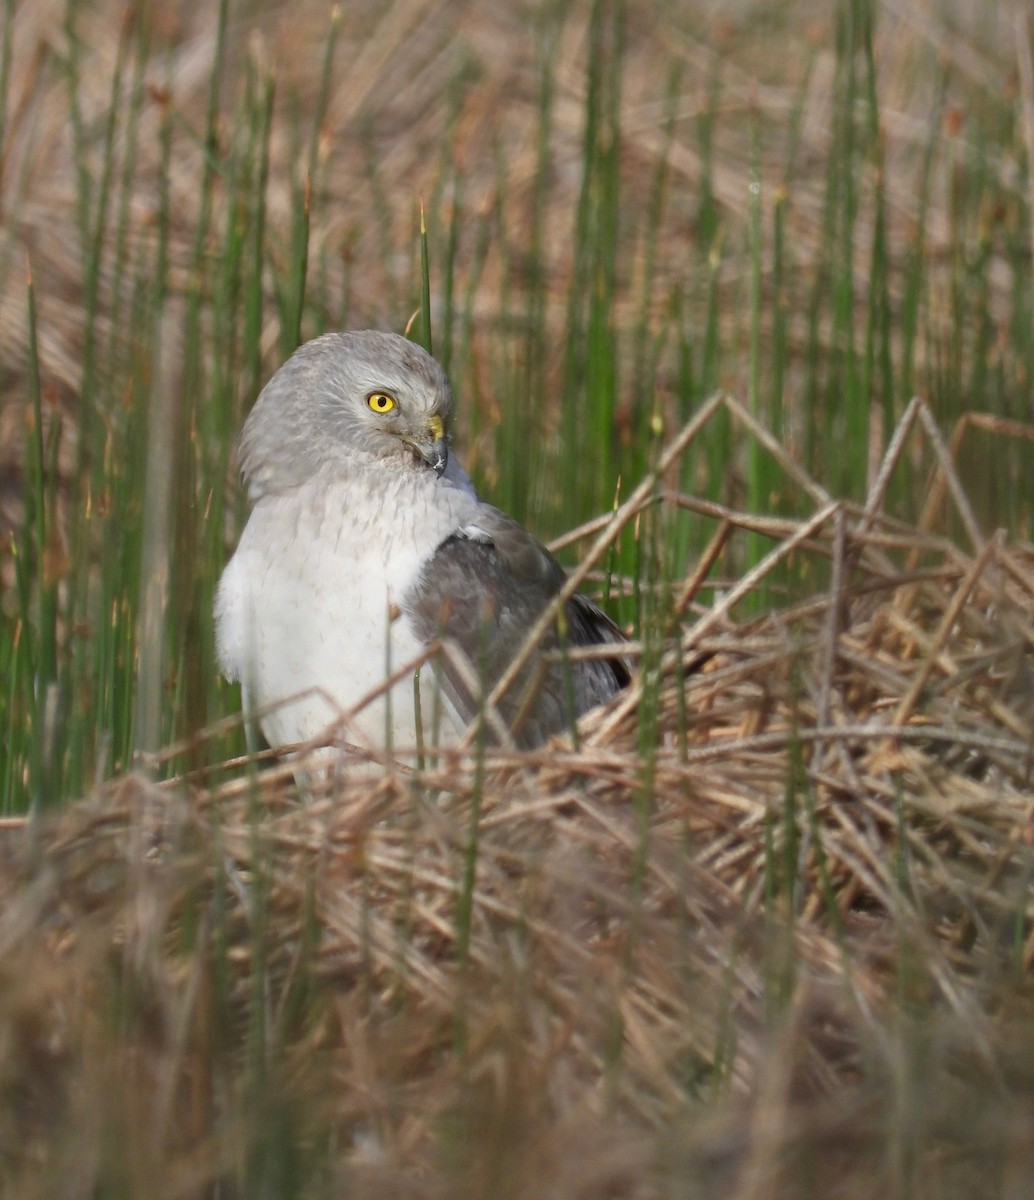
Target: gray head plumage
point(342, 401)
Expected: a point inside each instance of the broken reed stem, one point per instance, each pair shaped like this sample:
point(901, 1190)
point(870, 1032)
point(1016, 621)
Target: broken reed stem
point(631, 697)
point(831, 629)
point(951, 615)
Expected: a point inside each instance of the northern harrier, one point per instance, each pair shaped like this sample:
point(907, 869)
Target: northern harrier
point(366, 543)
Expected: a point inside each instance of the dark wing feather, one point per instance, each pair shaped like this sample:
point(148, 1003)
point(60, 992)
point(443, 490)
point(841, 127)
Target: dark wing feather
point(484, 588)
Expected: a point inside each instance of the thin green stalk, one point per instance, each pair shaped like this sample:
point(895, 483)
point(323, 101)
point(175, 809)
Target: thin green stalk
point(251, 345)
point(653, 226)
point(915, 263)
point(6, 38)
point(757, 475)
point(323, 96)
point(293, 300)
point(15, 668)
point(467, 888)
point(96, 234)
point(157, 546)
point(878, 371)
point(591, 354)
point(456, 221)
point(425, 286)
point(381, 210)
point(780, 348)
point(45, 667)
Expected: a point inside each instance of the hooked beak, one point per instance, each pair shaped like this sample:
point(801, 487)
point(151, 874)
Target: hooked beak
point(433, 448)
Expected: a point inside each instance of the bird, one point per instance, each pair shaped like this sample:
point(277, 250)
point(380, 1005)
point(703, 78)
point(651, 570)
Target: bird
point(367, 546)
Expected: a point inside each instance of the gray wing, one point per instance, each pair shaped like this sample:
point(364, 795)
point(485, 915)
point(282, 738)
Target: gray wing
point(484, 588)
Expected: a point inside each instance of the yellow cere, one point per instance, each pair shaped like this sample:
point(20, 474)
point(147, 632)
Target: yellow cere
point(381, 402)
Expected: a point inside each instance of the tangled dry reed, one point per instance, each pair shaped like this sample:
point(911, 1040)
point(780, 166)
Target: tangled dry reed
point(786, 936)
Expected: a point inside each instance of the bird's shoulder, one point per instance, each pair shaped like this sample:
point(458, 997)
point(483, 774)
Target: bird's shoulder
point(490, 535)
point(489, 566)
point(491, 570)
point(482, 590)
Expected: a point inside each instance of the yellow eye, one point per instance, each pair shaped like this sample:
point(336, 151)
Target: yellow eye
point(380, 402)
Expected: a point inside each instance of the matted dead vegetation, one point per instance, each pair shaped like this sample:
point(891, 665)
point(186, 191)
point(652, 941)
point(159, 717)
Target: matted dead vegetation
point(789, 939)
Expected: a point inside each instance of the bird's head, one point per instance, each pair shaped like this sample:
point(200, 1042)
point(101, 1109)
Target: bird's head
point(344, 399)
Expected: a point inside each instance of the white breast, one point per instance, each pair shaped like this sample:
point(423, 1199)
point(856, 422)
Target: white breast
point(304, 610)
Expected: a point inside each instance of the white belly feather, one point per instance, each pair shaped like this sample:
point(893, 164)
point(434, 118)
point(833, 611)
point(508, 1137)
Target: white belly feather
point(304, 609)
